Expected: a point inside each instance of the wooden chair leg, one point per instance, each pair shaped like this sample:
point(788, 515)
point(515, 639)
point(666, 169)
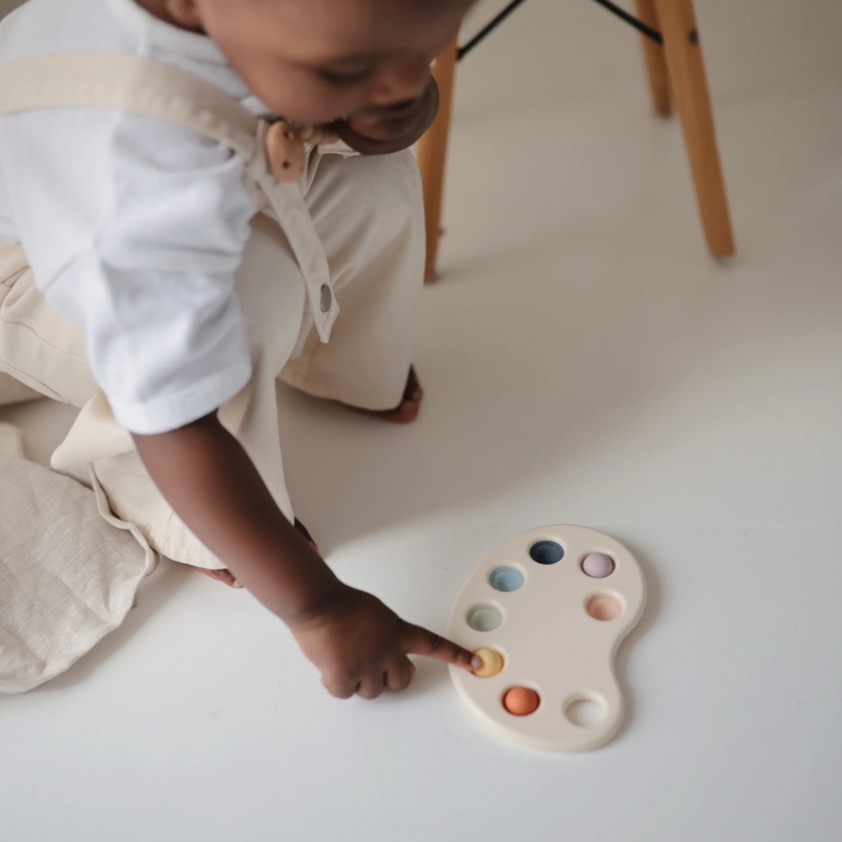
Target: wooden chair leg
point(431, 153)
point(656, 65)
point(689, 86)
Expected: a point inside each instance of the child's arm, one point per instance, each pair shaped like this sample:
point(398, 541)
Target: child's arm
point(358, 643)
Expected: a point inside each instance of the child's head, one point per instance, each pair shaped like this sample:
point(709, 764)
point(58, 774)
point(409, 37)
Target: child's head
point(314, 61)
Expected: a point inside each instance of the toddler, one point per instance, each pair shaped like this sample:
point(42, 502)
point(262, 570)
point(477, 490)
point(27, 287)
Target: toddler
point(155, 276)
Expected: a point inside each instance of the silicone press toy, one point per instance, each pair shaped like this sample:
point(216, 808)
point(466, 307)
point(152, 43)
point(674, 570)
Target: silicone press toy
point(547, 612)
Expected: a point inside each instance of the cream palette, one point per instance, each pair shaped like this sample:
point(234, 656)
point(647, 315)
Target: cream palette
point(547, 612)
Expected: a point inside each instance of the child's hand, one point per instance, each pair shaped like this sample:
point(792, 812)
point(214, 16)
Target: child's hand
point(383, 132)
point(361, 646)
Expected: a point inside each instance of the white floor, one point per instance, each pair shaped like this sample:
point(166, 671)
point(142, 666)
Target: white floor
point(585, 362)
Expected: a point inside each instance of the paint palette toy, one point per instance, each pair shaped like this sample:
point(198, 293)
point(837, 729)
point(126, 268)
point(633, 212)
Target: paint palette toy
point(547, 612)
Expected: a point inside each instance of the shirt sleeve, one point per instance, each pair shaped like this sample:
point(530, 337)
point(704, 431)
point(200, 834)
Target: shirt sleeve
point(154, 288)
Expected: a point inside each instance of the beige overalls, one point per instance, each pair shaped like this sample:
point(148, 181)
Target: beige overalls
point(350, 237)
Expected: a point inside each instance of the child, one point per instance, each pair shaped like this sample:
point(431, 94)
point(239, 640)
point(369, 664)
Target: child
point(139, 285)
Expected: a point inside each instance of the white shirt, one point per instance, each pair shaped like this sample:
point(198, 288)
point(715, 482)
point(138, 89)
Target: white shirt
point(134, 228)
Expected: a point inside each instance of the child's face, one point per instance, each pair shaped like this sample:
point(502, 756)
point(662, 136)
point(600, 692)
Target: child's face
point(314, 61)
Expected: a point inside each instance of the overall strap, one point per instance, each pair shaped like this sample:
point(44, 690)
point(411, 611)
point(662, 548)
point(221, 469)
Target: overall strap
point(134, 84)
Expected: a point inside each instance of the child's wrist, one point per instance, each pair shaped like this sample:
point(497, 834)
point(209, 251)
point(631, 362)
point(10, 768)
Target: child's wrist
point(318, 605)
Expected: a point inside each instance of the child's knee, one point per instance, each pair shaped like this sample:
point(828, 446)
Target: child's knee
point(392, 187)
point(369, 213)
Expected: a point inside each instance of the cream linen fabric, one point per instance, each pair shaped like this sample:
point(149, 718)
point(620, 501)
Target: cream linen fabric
point(13, 391)
point(67, 576)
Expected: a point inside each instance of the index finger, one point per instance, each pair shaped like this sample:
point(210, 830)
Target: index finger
point(422, 642)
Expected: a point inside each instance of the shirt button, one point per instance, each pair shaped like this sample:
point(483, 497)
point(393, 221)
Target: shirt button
point(326, 299)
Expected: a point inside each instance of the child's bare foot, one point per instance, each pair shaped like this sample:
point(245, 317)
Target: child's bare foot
point(409, 407)
point(227, 578)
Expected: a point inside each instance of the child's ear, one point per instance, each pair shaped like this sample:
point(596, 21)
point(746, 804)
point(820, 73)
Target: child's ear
point(185, 13)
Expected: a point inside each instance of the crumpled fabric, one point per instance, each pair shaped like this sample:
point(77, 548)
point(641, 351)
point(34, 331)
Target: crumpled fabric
point(69, 569)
